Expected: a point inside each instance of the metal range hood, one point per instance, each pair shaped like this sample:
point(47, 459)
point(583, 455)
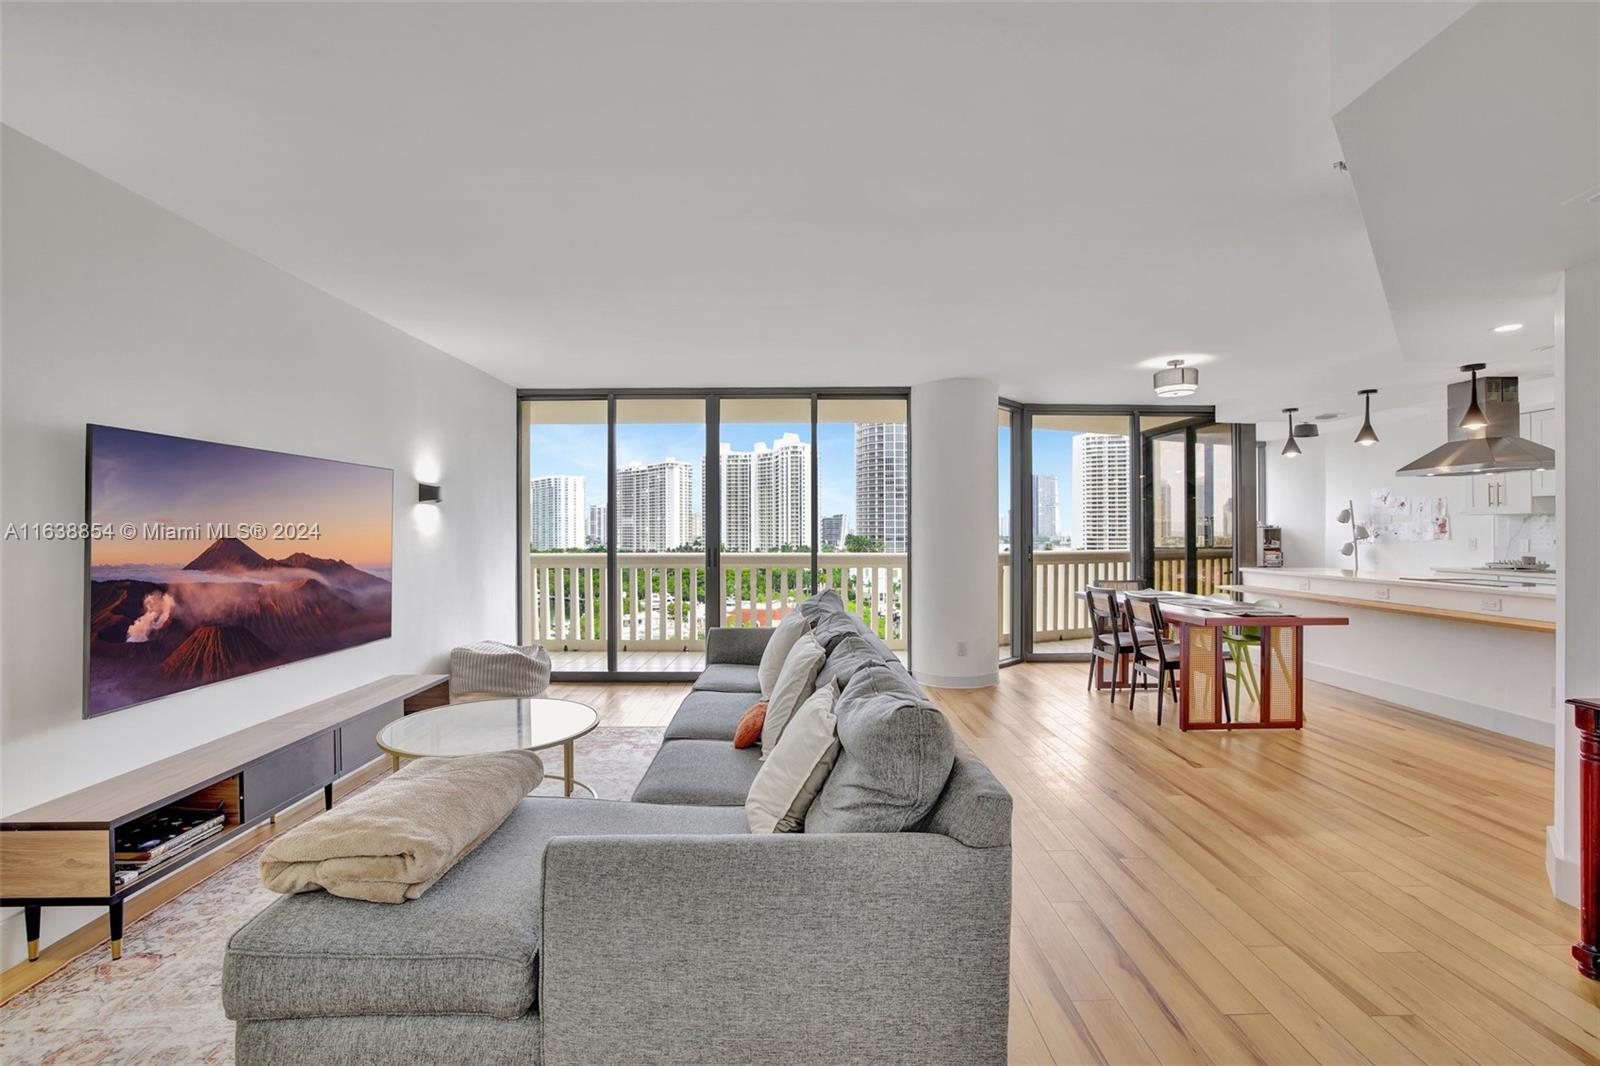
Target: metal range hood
point(1489, 450)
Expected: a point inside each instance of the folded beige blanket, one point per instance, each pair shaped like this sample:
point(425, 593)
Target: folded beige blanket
point(391, 842)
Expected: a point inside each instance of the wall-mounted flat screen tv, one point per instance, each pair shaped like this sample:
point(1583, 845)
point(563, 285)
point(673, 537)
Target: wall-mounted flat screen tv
point(210, 561)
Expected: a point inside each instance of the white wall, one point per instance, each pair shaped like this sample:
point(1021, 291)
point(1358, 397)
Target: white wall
point(954, 466)
point(118, 312)
point(1297, 502)
point(1305, 494)
point(1577, 552)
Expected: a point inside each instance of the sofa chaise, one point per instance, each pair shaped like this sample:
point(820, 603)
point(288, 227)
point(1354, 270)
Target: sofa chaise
point(661, 929)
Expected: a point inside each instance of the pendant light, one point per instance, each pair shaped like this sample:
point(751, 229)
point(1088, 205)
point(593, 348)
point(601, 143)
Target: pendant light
point(1176, 380)
point(1368, 436)
point(1291, 447)
point(1474, 419)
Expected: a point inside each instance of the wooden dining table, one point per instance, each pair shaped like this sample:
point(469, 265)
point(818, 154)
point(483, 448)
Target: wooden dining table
point(1202, 677)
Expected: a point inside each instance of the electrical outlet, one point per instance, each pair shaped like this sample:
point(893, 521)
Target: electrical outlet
point(1303, 585)
point(1381, 592)
point(1472, 544)
point(961, 649)
point(1489, 604)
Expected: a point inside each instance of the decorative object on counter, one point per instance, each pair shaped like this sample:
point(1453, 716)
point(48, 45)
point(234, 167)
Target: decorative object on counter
point(1291, 447)
point(1177, 380)
point(1272, 546)
point(1586, 717)
point(1358, 533)
point(1368, 436)
point(1473, 418)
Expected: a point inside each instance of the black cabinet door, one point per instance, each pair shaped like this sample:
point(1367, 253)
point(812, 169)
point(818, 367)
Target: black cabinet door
point(274, 781)
point(358, 738)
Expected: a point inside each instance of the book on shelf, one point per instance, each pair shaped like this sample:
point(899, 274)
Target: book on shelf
point(166, 832)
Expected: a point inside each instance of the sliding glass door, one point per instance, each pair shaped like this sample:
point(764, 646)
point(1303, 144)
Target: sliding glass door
point(651, 517)
point(1079, 510)
point(1152, 497)
point(1192, 528)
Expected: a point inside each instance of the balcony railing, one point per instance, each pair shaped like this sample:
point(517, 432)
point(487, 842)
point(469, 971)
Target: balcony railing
point(1059, 578)
point(662, 605)
point(662, 595)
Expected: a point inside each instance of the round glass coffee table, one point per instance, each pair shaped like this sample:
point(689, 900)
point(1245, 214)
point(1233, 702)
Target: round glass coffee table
point(485, 726)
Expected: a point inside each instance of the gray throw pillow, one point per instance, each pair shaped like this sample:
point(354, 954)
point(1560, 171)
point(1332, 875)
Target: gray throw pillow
point(896, 751)
point(849, 655)
point(823, 603)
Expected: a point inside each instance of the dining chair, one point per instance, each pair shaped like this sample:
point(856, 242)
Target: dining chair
point(1153, 655)
point(1110, 642)
point(1239, 640)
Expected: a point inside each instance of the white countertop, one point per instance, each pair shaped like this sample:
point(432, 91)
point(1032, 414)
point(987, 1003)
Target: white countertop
point(1543, 591)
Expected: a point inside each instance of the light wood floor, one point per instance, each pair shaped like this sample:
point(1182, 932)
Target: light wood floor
point(1371, 889)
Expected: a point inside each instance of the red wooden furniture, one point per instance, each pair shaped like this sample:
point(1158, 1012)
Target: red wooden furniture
point(1586, 716)
point(1202, 679)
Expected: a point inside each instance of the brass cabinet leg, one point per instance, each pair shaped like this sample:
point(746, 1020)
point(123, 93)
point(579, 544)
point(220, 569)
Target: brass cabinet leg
point(116, 930)
point(30, 916)
point(567, 753)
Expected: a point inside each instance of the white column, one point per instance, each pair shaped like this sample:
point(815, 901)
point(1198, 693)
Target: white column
point(955, 616)
point(1577, 551)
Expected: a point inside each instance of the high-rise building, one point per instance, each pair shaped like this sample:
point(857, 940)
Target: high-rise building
point(835, 528)
point(881, 512)
point(655, 506)
point(1046, 509)
point(1100, 491)
point(766, 495)
point(597, 526)
point(555, 512)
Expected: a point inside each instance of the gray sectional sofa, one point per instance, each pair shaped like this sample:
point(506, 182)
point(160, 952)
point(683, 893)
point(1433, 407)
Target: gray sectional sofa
point(661, 929)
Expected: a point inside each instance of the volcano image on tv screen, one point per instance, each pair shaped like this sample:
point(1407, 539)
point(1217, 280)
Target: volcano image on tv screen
point(210, 561)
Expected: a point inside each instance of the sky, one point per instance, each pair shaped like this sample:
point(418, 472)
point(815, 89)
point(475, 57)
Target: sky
point(1052, 454)
point(151, 478)
point(581, 450)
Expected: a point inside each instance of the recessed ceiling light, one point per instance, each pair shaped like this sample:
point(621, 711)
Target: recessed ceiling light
point(1329, 416)
point(1509, 327)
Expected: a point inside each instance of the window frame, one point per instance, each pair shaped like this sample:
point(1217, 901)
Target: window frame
point(711, 503)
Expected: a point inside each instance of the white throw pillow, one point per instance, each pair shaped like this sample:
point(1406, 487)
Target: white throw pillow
point(791, 777)
point(796, 681)
point(792, 628)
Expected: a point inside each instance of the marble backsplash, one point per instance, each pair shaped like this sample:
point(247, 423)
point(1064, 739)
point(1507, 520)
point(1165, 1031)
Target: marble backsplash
point(1532, 534)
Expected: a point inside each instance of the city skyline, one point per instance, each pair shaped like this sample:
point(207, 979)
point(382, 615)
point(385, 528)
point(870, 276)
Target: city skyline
point(580, 450)
point(766, 493)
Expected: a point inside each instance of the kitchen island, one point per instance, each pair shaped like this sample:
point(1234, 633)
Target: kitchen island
point(1479, 650)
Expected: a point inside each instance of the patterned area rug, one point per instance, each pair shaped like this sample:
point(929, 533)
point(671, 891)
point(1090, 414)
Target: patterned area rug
point(160, 1003)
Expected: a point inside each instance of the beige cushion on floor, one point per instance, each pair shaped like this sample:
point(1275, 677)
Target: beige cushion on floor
point(791, 629)
point(791, 777)
point(391, 842)
point(796, 681)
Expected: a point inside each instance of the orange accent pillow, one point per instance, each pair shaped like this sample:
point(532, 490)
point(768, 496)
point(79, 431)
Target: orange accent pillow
point(748, 732)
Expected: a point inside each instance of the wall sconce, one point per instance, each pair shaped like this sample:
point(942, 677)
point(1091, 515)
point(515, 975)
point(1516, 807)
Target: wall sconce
point(428, 493)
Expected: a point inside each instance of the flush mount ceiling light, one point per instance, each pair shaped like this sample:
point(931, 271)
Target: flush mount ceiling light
point(1509, 327)
point(1307, 429)
point(1368, 436)
point(1473, 418)
point(1176, 380)
point(1291, 448)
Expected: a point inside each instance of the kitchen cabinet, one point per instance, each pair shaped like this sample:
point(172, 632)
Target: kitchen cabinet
point(1541, 427)
point(1510, 492)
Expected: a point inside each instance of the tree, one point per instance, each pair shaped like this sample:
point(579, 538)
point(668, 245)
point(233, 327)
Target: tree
point(858, 542)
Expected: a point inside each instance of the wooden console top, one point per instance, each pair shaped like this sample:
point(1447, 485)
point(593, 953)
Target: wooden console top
point(149, 786)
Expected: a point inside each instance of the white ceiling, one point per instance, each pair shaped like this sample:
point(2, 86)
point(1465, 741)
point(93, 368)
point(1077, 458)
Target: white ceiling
point(589, 195)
